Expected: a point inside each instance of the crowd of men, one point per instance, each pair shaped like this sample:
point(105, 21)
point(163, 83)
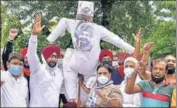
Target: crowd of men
point(84, 76)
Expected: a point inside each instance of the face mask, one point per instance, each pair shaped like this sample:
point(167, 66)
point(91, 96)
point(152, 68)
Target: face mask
point(52, 64)
point(60, 62)
point(15, 70)
point(157, 80)
point(114, 63)
point(107, 62)
point(102, 79)
point(128, 71)
point(170, 71)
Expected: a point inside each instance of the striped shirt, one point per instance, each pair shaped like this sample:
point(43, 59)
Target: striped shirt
point(155, 96)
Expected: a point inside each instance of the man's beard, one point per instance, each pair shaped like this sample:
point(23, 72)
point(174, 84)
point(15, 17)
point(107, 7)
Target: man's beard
point(52, 64)
point(157, 80)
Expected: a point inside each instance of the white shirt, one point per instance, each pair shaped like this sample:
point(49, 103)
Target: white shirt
point(45, 83)
point(131, 100)
point(14, 93)
point(86, 39)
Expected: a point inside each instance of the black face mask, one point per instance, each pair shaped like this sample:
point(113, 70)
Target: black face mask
point(157, 80)
point(107, 62)
point(170, 71)
point(52, 64)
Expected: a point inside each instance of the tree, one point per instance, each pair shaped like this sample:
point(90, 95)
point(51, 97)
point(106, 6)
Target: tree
point(163, 36)
point(121, 17)
point(126, 17)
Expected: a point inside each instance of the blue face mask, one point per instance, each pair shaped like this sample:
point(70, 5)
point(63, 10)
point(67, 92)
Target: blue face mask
point(15, 70)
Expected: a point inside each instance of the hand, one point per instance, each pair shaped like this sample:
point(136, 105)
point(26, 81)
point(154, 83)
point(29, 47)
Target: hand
point(81, 83)
point(148, 47)
point(141, 68)
point(37, 25)
point(138, 35)
point(13, 33)
point(81, 79)
point(101, 94)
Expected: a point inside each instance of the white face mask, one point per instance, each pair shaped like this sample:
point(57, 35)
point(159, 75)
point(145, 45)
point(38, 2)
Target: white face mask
point(60, 62)
point(102, 79)
point(128, 71)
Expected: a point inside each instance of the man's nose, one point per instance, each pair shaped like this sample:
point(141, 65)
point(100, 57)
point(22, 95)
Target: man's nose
point(157, 71)
point(171, 62)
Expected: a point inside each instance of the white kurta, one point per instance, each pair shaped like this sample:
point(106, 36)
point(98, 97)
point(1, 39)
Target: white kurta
point(45, 84)
point(14, 93)
point(84, 57)
point(133, 100)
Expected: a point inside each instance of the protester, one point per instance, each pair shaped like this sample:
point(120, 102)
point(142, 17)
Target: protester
point(104, 93)
point(14, 89)
point(106, 57)
point(155, 93)
point(130, 65)
point(45, 78)
point(133, 100)
point(13, 33)
point(171, 69)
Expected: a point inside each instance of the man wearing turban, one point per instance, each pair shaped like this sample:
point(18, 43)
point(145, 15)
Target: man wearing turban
point(46, 78)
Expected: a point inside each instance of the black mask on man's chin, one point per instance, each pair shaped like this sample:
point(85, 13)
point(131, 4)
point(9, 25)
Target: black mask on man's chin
point(107, 62)
point(157, 80)
point(170, 71)
point(52, 64)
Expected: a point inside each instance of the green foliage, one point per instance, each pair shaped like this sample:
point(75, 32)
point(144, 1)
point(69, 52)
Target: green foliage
point(170, 6)
point(125, 18)
point(164, 38)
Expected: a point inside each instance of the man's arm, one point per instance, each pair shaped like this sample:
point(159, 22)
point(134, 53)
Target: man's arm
point(60, 29)
point(6, 52)
point(147, 49)
point(131, 87)
point(114, 39)
point(9, 46)
point(33, 59)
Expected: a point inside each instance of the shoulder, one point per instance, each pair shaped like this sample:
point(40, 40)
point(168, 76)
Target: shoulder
point(24, 80)
point(115, 88)
point(143, 83)
point(68, 20)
